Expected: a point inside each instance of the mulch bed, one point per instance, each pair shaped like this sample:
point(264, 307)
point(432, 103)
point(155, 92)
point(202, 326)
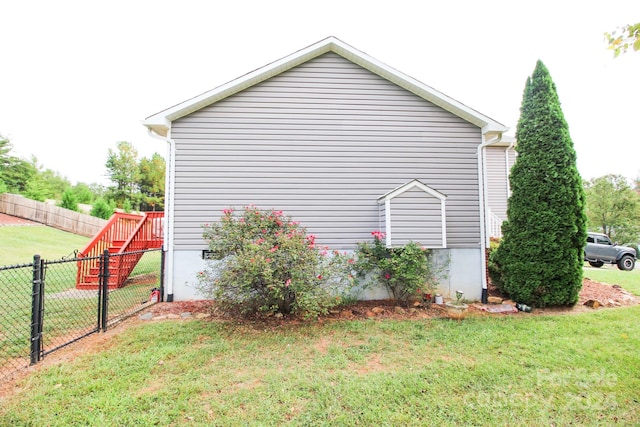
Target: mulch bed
point(594, 295)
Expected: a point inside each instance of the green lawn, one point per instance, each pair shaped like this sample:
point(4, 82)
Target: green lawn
point(18, 244)
point(504, 370)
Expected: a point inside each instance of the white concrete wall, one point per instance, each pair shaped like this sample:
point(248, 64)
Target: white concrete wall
point(464, 273)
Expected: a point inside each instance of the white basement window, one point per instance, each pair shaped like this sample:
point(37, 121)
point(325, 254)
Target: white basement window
point(414, 212)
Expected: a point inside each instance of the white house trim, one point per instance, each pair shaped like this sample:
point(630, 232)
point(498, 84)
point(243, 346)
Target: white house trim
point(387, 221)
point(408, 186)
point(386, 199)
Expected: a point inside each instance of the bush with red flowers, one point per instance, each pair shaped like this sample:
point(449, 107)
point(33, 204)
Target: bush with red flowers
point(262, 261)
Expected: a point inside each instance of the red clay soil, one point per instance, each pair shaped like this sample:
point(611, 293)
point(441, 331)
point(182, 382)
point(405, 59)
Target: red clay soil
point(594, 295)
point(8, 220)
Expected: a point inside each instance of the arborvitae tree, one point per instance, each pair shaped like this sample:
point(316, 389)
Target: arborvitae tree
point(541, 254)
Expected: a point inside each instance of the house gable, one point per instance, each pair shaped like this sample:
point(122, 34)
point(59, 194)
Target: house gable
point(160, 123)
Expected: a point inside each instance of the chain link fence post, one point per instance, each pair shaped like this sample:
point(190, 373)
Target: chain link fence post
point(104, 289)
point(37, 296)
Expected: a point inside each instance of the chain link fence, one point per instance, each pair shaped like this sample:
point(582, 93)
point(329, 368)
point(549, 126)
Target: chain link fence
point(42, 309)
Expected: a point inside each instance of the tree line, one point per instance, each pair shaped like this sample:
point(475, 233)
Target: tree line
point(136, 183)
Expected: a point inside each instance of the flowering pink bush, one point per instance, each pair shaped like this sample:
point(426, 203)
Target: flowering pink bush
point(406, 271)
point(266, 262)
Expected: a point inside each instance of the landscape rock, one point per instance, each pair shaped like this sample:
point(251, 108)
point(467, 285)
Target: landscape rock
point(186, 315)
point(494, 300)
point(146, 316)
point(593, 303)
point(377, 310)
point(346, 314)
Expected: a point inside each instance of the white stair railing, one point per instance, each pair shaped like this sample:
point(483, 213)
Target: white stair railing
point(495, 225)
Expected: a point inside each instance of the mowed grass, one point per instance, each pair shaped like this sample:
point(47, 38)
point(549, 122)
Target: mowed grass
point(503, 370)
point(18, 244)
point(629, 280)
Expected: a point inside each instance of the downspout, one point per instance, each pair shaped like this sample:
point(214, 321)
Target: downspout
point(169, 185)
point(482, 179)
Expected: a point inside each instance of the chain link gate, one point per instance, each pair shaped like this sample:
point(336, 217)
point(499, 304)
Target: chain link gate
point(41, 310)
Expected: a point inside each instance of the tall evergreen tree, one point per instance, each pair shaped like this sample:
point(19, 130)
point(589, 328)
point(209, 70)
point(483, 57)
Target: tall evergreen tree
point(541, 254)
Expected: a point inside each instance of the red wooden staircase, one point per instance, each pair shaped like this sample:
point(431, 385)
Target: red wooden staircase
point(124, 236)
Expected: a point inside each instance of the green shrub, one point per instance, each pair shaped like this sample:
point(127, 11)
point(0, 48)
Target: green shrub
point(405, 271)
point(68, 201)
point(102, 209)
point(262, 261)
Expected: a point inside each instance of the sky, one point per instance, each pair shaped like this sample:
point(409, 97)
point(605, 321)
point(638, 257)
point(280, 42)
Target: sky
point(76, 77)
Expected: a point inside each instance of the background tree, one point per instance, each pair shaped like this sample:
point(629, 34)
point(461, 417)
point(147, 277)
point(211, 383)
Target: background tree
point(540, 258)
point(613, 208)
point(83, 193)
point(151, 182)
point(123, 171)
point(45, 183)
point(5, 149)
point(623, 39)
point(15, 173)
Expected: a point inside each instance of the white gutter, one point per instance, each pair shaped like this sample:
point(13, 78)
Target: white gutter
point(169, 185)
point(482, 180)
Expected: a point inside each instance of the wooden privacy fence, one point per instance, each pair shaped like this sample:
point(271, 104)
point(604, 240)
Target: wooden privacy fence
point(53, 216)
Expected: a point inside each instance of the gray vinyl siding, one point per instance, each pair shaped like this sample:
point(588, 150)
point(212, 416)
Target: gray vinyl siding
point(498, 178)
point(322, 142)
point(416, 216)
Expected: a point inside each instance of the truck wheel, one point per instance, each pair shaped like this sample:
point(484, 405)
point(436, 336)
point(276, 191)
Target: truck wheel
point(596, 264)
point(626, 263)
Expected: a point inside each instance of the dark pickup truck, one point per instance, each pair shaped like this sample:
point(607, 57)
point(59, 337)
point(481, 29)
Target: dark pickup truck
point(600, 250)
